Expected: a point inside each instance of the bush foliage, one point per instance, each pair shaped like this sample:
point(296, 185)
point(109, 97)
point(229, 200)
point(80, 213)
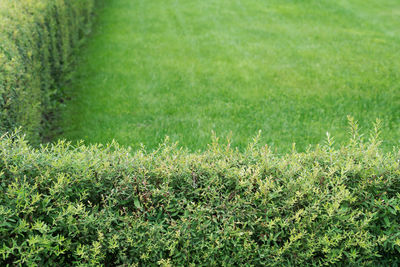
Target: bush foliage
point(108, 205)
point(91, 205)
point(36, 41)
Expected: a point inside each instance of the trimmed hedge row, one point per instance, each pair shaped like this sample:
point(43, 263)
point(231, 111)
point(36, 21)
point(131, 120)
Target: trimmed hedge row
point(36, 41)
point(91, 205)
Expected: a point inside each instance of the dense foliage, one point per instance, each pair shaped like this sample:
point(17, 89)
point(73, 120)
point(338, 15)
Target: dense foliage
point(36, 41)
point(108, 205)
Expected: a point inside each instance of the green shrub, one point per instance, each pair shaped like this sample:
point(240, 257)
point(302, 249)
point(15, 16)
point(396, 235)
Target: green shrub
point(90, 205)
point(36, 41)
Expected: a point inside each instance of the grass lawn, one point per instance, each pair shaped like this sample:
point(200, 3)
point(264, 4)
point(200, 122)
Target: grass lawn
point(183, 68)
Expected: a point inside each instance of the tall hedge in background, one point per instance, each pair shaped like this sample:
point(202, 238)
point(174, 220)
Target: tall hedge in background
point(37, 38)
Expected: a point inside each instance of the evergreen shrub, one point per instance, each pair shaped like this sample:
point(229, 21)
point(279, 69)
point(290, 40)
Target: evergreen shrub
point(36, 43)
point(108, 205)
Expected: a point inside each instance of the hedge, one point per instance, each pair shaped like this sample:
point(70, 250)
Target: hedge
point(108, 205)
point(36, 42)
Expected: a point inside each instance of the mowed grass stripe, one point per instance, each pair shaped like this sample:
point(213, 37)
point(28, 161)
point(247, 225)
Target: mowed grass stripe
point(293, 69)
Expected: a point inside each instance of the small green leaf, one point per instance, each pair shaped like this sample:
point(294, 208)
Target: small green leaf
point(137, 204)
point(387, 222)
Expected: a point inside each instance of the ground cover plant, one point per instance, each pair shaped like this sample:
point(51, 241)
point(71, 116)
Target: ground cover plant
point(107, 205)
point(294, 69)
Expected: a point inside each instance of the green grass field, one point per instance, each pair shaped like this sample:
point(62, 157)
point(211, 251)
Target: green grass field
point(184, 68)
